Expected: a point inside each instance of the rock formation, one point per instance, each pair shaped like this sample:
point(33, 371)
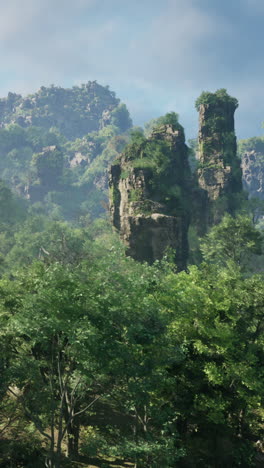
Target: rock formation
point(74, 112)
point(219, 172)
point(153, 194)
point(252, 161)
point(253, 174)
point(149, 193)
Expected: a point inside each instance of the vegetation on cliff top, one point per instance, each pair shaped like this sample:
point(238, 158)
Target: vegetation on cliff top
point(168, 170)
point(171, 118)
point(220, 97)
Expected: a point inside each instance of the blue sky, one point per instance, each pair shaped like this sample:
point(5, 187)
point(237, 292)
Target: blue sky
point(157, 55)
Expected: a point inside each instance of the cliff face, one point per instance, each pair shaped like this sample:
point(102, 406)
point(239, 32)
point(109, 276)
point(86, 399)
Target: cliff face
point(219, 172)
point(251, 152)
point(253, 174)
point(149, 196)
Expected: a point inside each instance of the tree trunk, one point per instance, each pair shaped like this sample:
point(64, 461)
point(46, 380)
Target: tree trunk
point(73, 433)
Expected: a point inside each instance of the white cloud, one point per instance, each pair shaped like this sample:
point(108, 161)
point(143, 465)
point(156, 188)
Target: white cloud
point(29, 22)
point(39, 38)
point(172, 47)
point(54, 37)
point(17, 16)
point(154, 57)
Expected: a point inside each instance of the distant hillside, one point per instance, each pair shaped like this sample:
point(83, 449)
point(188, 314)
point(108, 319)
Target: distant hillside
point(56, 145)
point(74, 112)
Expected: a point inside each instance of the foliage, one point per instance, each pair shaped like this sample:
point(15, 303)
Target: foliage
point(163, 166)
point(171, 118)
point(233, 239)
point(48, 164)
point(219, 347)
point(12, 209)
point(176, 357)
point(137, 135)
point(103, 356)
point(120, 118)
point(251, 144)
point(220, 97)
point(59, 332)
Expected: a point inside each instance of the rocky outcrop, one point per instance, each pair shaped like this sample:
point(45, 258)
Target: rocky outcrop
point(149, 198)
point(253, 173)
point(219, 172)
point(79, 159)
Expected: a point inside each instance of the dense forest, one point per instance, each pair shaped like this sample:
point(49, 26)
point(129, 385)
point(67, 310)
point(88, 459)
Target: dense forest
point(114, 354)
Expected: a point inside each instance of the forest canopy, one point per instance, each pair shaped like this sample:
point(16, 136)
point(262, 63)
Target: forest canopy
point(106, 361)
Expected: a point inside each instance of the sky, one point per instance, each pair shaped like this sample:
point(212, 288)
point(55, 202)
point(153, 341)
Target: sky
point(157, 55)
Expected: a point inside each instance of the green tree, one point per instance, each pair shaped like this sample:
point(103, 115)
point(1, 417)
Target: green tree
point(65, 354)
point(171, 118)
point(220, 96)
point(49, 165)
point(12, 209)
point(214, 386)
point(120, 118)
point(235, 239)
point(53, 365)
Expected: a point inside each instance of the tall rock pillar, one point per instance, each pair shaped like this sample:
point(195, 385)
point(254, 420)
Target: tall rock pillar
point(149, 196)
point(219, 172)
